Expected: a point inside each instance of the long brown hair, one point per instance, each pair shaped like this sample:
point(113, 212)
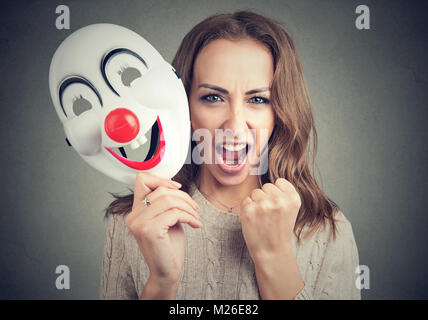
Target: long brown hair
point(289, 147)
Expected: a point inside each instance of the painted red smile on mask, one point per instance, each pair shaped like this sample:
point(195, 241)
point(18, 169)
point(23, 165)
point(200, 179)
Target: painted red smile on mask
point(153, 158)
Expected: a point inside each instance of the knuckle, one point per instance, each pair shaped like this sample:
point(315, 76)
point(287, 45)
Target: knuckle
point(175, 211)
point(249, 216)
point(267, 186)
point(144, 231)
point(166, 199)
point(247, 210)
point(245, 215)
point(244, 207)
point(254, 193)
point(265, 204)
point(295, 201)
point(169, 201)
point(278, 200)
point(186, 195)
point(282, 183)
point(281, 180)
point(162, 189)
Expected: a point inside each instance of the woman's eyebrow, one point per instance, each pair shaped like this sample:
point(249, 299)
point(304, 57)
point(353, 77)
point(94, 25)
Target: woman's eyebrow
point(209, 86)
point(258, 90)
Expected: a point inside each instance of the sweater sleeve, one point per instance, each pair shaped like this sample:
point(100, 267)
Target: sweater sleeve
point(337, 274)
point(116, 277)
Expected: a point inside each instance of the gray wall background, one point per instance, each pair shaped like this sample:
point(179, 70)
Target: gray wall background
point(369, 90)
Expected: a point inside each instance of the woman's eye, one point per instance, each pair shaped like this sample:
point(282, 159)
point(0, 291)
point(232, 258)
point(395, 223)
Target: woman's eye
point(259, 100)
point(211, 98)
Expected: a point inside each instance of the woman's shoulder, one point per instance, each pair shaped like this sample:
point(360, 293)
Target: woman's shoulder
point(340, 233)
point(343, 225)
point(324, 247)
point(116, 225)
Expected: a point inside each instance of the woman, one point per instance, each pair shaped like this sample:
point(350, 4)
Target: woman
point(226, 230)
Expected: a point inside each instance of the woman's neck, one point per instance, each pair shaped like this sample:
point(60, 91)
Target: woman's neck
point(229, 196)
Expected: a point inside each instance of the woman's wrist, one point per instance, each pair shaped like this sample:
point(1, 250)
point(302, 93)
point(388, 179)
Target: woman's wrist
point(278, 275)
point(266, 257)
point(159, 289)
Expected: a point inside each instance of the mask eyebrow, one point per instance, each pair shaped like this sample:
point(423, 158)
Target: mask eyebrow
point(110, 55)
point(222, 90)
point(76, 79)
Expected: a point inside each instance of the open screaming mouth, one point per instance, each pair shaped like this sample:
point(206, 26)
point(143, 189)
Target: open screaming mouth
point(233, 154)
point(151, 157)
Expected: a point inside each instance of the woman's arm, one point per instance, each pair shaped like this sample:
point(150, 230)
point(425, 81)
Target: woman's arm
point(268, 218)
point(156, 290)
point(116, 277)
point(278, 276)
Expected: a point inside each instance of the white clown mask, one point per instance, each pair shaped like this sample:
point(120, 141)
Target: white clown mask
point(123, 107)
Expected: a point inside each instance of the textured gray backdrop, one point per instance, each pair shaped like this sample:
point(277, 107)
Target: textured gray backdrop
point(369, 90)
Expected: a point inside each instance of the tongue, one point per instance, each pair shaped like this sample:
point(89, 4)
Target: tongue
point(232, 156)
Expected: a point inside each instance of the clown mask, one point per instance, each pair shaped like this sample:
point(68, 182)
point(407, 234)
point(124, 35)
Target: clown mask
point(123, 107)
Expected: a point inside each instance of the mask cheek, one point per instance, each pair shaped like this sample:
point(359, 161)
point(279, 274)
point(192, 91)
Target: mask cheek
point(159, 89)
point(84, 133)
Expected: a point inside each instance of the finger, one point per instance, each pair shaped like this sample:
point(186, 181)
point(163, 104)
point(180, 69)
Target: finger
point(248, 207)
point(246, 201)
point(147, 182)
point(165, 203)
point(271, 190)
point(173, 216)
point(160, 191)
point(257, 195)
point(284, 185)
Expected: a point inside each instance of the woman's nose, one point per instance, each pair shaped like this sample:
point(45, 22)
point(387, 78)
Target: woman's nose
point(121, 125)
point(236, 119)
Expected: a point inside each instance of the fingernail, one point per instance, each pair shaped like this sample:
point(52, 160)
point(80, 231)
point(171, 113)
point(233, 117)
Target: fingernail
point(175, 183)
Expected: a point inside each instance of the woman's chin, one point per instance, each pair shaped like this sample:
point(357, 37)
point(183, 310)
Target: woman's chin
point(230, 175)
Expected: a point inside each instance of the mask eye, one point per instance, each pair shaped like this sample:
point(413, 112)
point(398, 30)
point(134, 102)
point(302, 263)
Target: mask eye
point(128, 75)
point(123, 69)
point(80, 105)
point(78, 98)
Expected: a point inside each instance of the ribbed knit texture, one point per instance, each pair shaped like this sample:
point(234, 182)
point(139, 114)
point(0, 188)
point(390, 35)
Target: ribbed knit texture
point(217, 263)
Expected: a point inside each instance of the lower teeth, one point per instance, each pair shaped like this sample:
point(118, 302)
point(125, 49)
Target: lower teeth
point(234, 163)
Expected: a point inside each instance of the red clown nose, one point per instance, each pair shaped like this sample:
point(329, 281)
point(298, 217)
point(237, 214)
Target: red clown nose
point(121, 125)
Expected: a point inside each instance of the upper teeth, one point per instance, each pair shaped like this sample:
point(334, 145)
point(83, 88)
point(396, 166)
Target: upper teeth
point(138, 142)
point(234, 147)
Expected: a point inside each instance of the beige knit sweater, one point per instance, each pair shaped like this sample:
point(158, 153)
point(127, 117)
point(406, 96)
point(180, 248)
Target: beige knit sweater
point(218, 266)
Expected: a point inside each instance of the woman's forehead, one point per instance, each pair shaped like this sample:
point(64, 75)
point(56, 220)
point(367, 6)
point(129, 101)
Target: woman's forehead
point(225, 61)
